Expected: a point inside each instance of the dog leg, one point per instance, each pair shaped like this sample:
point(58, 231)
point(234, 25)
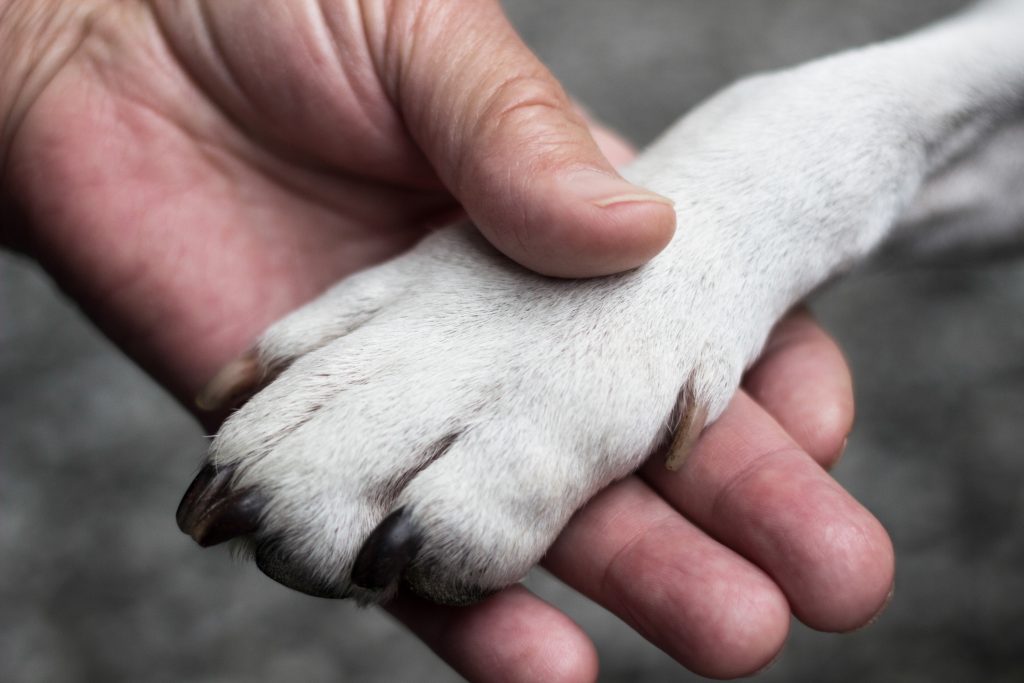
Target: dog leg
point(974, 208)
point(438, 421)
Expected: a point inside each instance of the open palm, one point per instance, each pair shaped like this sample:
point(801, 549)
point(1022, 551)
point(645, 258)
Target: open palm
point(191, 171)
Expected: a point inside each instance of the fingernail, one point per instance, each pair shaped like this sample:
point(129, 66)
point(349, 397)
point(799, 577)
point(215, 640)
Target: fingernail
point(881, 610)
point(841, 453)
point(633, 198)
point(769, 665)
point(604, 190)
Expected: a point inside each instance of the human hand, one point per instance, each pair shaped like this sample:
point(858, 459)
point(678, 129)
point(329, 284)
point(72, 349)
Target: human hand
point(190, 172)
point(206, 148)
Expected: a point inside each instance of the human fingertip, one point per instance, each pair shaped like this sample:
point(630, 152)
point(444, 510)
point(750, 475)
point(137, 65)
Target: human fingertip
point(858, 580)
point(569, 658)
point(605, 189)
point(881, 610)
point(803, 380)
point(748, 641)
point(609, 229)
point(556, 650)
point(511, 636)
point(636, 197)
point(839, 453)
point(828, 429)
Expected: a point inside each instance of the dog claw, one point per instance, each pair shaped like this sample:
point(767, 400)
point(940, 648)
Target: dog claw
point(208, 481)
point(387, 551)
point(689, 429)
point(283, 568)
point(211, 513)
point(234, 381)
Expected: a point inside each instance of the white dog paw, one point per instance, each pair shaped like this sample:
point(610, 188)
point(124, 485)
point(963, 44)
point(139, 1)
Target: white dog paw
point(436, 421)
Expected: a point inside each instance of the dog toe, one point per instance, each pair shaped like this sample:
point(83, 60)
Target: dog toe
point(212, 512)
point(386, 553)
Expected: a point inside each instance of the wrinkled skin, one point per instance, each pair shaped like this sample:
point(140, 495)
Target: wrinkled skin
point(188, 184)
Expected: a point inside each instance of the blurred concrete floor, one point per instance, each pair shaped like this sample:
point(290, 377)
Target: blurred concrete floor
point(96, 583)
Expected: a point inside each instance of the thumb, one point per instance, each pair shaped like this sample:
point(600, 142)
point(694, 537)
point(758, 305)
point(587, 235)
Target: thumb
point(507, 142)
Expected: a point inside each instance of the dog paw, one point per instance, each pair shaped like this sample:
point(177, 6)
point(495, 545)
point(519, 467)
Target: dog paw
point(436, 421)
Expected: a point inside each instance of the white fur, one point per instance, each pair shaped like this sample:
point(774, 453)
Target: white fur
point(492, 402)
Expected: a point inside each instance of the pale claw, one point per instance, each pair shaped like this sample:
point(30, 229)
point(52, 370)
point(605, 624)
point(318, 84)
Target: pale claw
point(234, 381)
point(691, 424)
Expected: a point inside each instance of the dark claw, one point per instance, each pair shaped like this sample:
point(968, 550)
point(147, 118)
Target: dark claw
point(387, 551)
point(205, 483)
point(286, 571)
point(211, 513)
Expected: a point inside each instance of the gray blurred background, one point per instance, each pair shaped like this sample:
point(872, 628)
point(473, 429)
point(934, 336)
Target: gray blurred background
point(97, 584)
